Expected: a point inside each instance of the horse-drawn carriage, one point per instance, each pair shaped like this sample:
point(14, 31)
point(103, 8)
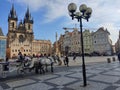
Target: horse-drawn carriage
point(22, 67)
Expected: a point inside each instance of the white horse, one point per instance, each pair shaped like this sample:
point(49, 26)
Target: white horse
point(44, 62)
point(37, 64)
point(27, 65)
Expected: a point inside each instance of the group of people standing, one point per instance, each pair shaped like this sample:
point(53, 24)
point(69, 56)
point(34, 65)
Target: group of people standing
point(24, 57)
point(56, 57)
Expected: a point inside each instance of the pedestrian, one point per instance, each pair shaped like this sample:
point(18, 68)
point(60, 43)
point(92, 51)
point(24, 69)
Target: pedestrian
point(67, 61)
point(6, 65)
point(64, 60)
point(119, 56)
point(20, 57)
point(7, 59)
point(74, 57)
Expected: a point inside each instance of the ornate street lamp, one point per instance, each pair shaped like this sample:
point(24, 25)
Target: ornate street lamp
point(84, 13)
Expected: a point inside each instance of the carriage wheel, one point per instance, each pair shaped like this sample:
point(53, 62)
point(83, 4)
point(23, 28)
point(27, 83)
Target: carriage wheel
point(20, 71)
point(4, 74)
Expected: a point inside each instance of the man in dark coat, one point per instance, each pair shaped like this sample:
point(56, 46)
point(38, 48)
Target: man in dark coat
point(119, 56)
point(67, 61)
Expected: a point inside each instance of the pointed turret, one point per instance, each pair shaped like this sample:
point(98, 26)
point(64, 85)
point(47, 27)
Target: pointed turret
point(28, 17)
point(28, 21)
point(12, 14)
point(12, 19)
point(21, 26)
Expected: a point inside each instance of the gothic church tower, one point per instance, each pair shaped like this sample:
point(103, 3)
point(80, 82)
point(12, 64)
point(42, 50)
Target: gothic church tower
point(20, 36)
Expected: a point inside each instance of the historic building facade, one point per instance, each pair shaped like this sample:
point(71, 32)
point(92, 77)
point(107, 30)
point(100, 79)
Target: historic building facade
point(21, 36)
point(41, 47)
point(2, 45)
point(98, 41)
point(70, 43)
point(75, 41)
point(67, 42)
point(60, 44)
point(87, 38)
point(102, 42)
point(117, 44)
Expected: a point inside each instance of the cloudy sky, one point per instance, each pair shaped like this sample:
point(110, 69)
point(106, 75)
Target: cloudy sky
point(50, 16)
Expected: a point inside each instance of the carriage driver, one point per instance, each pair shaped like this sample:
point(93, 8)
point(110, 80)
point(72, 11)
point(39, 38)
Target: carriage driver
point(20, 57)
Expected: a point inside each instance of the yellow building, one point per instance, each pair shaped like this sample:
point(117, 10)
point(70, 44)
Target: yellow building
point(87, 40)
point(41, 47)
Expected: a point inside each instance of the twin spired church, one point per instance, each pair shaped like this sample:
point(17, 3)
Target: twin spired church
point(20, 37)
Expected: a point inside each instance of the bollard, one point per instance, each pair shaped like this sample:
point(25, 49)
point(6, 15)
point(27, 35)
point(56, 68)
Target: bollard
point(108, 60)
point(113, 59)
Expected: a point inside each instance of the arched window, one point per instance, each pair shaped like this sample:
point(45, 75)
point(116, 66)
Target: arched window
point(13, 24)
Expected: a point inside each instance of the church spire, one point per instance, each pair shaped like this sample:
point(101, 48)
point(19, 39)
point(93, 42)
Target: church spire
point(28, 17)
point(12, 13)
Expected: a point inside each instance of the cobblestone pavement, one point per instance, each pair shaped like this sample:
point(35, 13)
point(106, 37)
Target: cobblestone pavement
point(100, 76)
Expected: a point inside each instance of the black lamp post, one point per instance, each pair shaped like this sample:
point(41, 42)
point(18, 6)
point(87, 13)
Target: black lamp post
point(84, 13)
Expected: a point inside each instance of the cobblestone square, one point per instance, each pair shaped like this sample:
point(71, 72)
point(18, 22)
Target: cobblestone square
point(100, 76)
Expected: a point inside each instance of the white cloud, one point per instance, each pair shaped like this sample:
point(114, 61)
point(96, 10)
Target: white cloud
point(55, 8)
point(105, 12)
point(33, 4)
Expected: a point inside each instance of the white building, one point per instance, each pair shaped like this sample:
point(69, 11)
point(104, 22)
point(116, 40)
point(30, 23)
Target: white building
point(117, 44)
point(102, 42)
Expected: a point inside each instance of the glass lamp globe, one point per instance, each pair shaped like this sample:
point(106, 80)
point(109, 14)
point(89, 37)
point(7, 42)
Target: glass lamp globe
point(83, 8)
point(72, 7)
point(88, 11)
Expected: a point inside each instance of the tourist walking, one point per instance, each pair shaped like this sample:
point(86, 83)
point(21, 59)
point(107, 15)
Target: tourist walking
point(119, 56)
point(67, 60)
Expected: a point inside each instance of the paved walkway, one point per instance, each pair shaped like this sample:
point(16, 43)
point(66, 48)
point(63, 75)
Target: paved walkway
point(100, 76)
